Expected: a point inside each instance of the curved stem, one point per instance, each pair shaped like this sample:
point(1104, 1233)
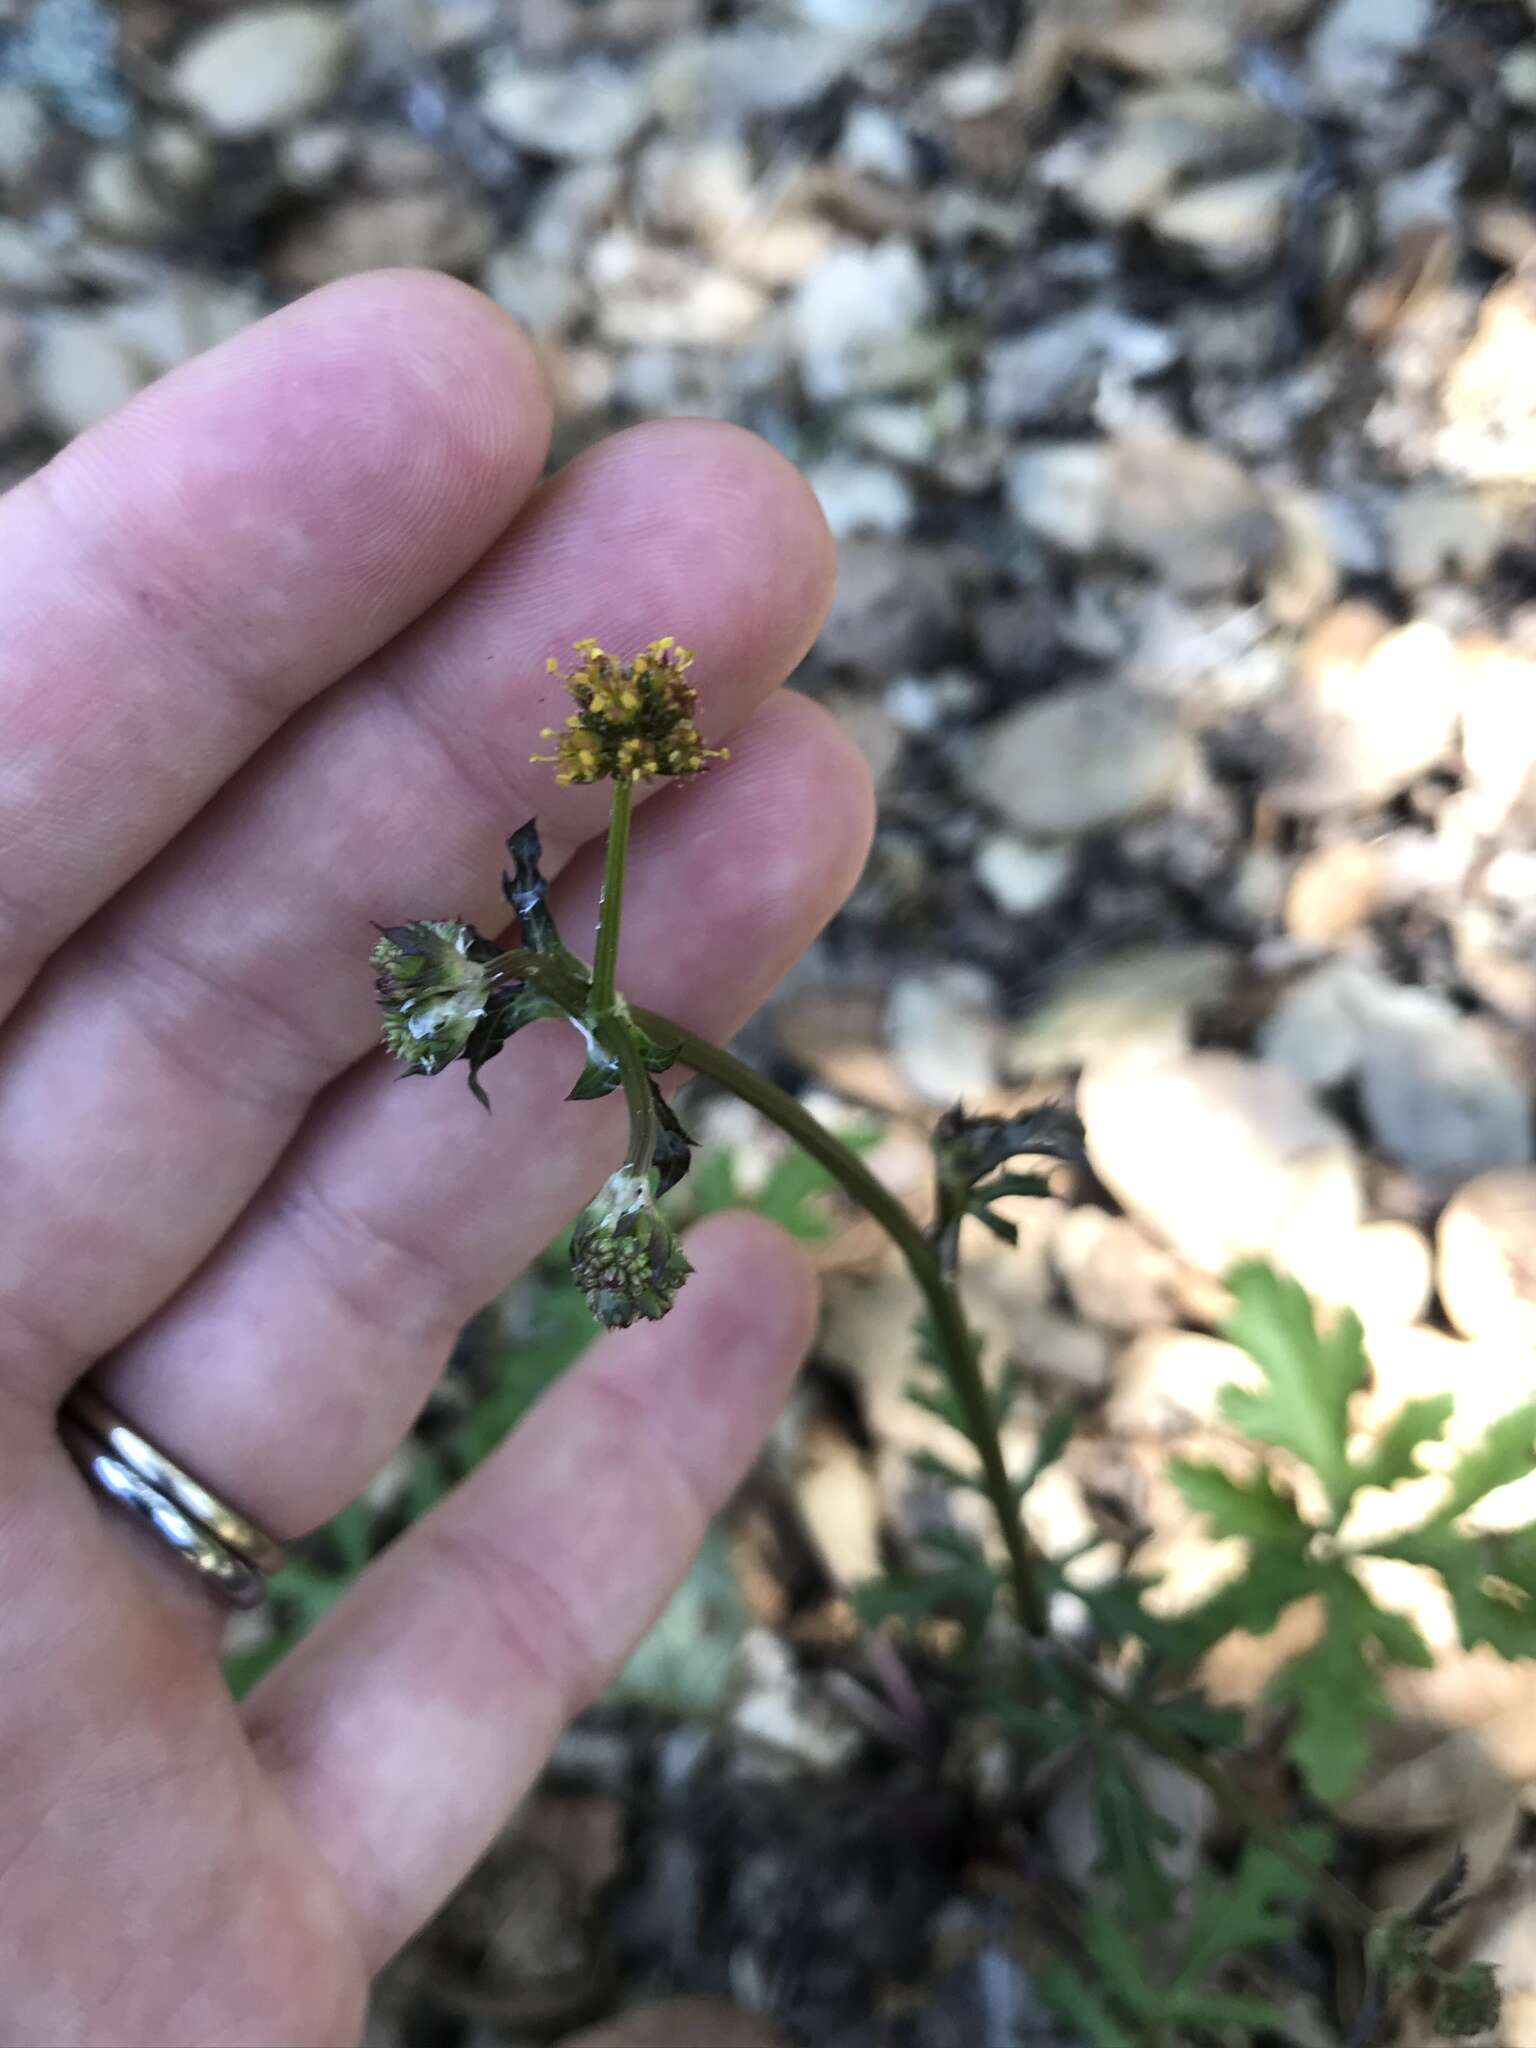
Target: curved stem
point(954, 1338)
point(605, 960)
point(923, 1261)
point(959, 1351)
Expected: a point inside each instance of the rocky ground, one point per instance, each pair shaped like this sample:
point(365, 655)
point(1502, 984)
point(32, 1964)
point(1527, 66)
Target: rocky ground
point(1167, 369)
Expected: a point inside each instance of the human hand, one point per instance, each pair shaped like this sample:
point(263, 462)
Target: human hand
point(274, 666)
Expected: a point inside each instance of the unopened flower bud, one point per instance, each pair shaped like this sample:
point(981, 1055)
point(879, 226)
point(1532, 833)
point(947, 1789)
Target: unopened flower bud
point(625, 1256)
point(432, 990)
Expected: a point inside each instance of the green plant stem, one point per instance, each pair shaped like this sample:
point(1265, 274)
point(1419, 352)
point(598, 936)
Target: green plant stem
point(955, 1340)
point(605, 960)
point(926, 1267)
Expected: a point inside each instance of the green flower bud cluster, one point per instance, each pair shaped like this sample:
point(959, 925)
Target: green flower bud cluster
point(432, 989)
point(625, 1256)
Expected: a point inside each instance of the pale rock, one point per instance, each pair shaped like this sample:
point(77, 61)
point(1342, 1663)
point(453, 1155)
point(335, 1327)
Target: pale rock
point(1034, 378)
point(1358, 45)
point(1373, 709)
point(1061, 491)
point(943, 1032)
point(313, 157)
point(1081, 759)
point(1163, 138)
point(1209, 655)
point(876, 20)
point(1488, 404)
point(1439, 1094)
point(1517, 75)
point(860, 300)
point(1114, 1275)
point(1317, 1030)
point(649, 296)
point(862, 497)
point(546, 297)
point(1073, 1356)
point(1223, 1158)
point(81, 371)
point(1437, 531)
point(446, 229)
point(1335, 891)
point(900, 432)
point(1304, 578)
point(875, 144)
point(29, 267)
point(839, 1499)
point(873, 731)
point(588, 111)
point(928, 704)
point(703, 188)
point(1023, 878)
point(785, 1716)
point(179, 156)
point(779, 249)
point(1189, 511)
point(262, 68)
point(1498, 722)
point(1140, 1002)
point(1426, 198)
point(1169, 1383)
point(730, 76)
point(23, 132)
point(1232, 225)
point(116, 196)
point(1486, 1243)
point(1385, 1273)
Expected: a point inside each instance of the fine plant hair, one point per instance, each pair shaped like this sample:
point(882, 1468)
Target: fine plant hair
point(1061, 1664)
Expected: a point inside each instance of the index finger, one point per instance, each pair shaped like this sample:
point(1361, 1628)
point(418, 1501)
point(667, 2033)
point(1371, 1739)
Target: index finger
point(187, 574)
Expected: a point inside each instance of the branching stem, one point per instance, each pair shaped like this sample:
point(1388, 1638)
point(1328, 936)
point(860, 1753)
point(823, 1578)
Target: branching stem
point(958, 1347)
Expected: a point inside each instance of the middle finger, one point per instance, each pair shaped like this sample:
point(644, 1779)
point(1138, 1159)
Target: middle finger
point(153, 1078)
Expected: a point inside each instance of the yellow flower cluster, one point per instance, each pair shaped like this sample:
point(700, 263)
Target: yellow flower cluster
point(633, 721)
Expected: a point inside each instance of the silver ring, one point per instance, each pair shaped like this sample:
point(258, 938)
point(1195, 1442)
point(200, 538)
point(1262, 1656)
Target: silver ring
point(216, 1540)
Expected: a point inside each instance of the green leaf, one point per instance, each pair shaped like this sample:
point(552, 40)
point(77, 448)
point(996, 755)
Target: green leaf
point(1084, 2007)
point(1304, 1406)
point(1254, 1906)
point(674, 1147)
point(1133, 1834)
point(1335, 1686)
point(506, 1012)
point(1252, 1507)
point(998, 1225)
point(966, 1589)
point(528, 892)
point(935, 1467)
point(1506, 1452)
point(1056, 1432)
point(1491, 1580)
point(1275, 1579)
point(1394, 1457)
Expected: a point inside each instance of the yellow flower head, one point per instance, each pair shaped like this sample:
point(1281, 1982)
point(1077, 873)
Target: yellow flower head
point(633, 720)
